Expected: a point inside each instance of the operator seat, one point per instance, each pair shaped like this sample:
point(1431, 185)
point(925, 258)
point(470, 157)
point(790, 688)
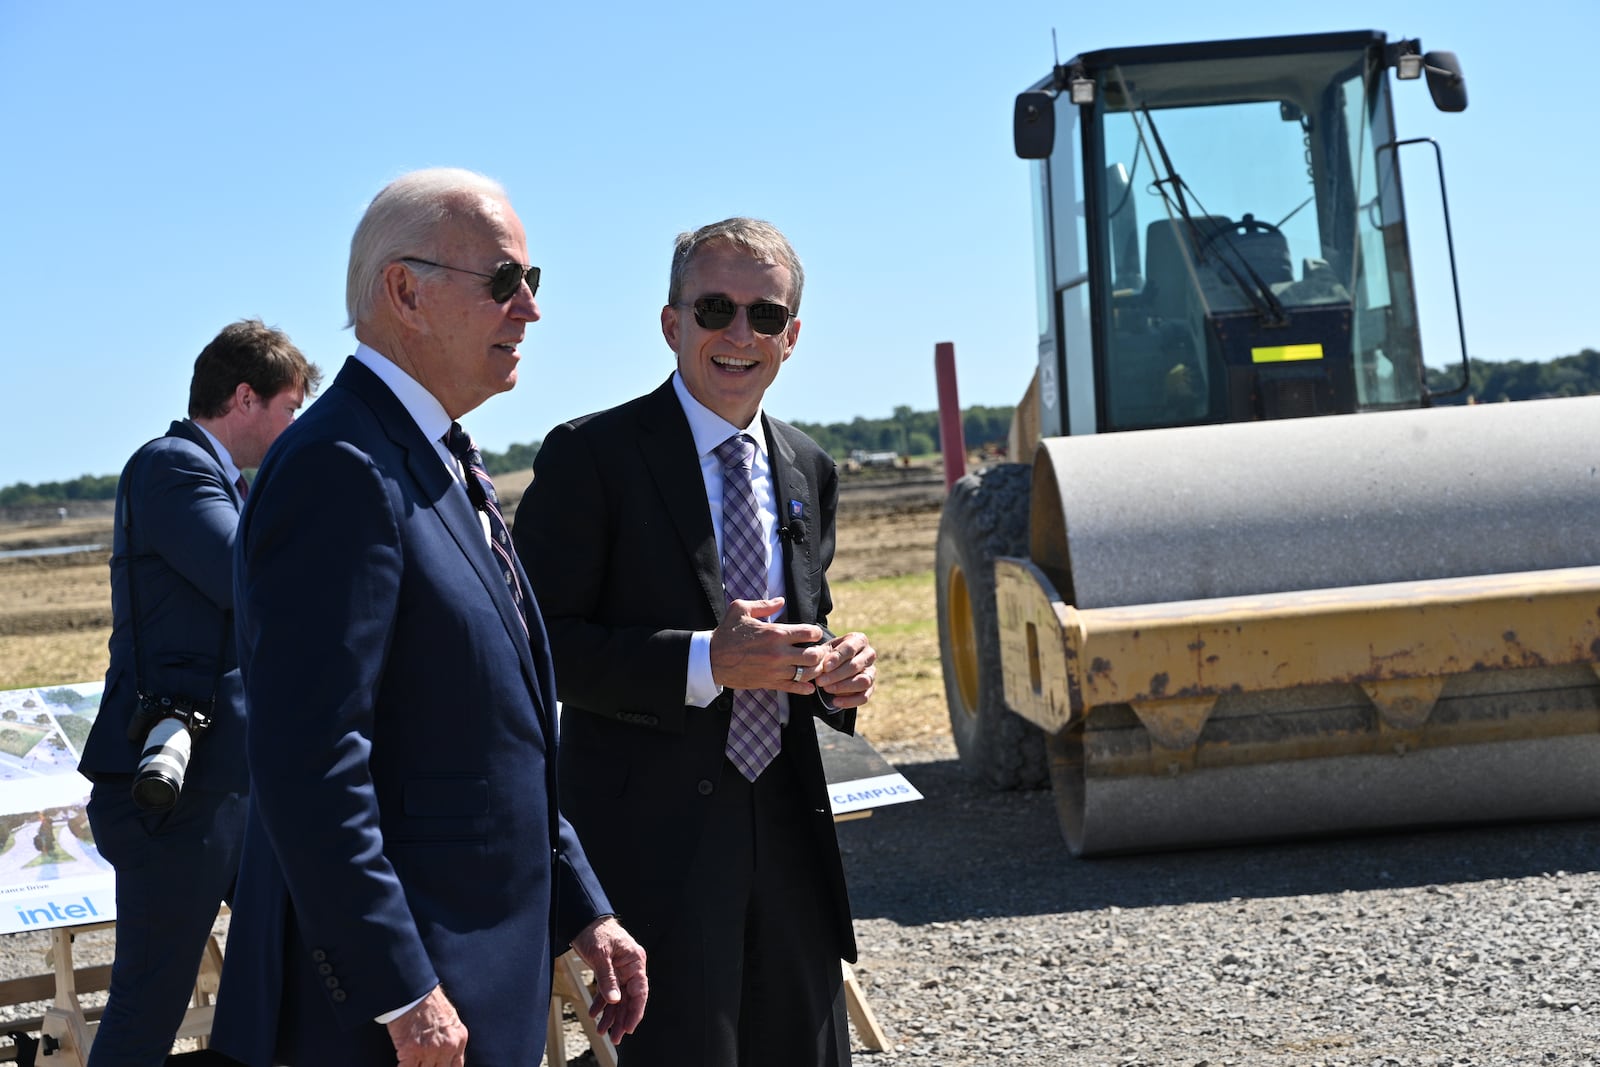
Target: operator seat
point(1158, 376)
point(1169, 255)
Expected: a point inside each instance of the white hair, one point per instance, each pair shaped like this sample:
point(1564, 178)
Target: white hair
point(402, 220)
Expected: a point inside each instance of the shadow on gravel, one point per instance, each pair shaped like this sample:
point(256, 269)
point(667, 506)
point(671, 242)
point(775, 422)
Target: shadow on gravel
point(964, 852)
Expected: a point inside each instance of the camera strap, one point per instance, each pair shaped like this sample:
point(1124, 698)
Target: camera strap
point(125, 520)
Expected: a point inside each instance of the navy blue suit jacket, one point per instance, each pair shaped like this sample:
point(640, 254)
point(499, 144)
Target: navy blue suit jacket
point(177, 515)
point(404, 827)
point(616, 533)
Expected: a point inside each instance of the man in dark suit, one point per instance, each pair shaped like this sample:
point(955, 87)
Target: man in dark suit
point(172, 640)
point(679, 545)
point(408, 876)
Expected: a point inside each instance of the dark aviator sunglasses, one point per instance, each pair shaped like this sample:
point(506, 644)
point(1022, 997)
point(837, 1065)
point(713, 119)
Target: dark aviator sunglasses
point(503, 283)
point(717, 313)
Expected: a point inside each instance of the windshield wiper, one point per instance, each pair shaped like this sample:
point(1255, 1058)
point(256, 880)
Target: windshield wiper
point(1256, 290)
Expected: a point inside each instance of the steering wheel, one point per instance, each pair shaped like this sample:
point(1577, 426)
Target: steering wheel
point(1247, 225)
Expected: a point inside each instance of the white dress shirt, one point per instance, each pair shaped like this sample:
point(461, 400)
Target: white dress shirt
point(710, 430)
point(424, 409)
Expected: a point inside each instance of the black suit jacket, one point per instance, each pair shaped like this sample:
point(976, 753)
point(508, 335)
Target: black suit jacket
point(177, 517)
point(616, 534)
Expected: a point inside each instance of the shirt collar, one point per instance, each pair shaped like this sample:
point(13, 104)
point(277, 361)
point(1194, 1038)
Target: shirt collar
point(709, 428)
point(424, 409)
point(229, 468)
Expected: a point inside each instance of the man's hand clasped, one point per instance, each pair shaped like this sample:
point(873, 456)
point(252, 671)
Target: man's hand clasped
point(748, 652)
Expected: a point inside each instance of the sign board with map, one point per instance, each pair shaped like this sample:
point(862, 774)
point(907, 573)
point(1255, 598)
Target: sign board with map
point(51, 874)
point(859, 779)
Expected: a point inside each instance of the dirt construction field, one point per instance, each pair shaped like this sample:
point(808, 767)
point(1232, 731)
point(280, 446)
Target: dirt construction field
point(55, 610)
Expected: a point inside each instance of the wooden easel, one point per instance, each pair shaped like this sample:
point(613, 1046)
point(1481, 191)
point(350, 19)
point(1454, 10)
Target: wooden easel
point(571, 986)
point(66, 1029)
point(861, 1015)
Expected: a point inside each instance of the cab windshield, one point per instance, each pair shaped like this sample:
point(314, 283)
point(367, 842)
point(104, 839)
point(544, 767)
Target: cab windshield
point(1253, 187)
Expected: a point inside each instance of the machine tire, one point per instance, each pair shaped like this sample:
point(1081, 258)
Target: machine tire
point(985, 516)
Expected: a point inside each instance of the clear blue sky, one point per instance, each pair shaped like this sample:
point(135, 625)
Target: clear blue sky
point(171, 167)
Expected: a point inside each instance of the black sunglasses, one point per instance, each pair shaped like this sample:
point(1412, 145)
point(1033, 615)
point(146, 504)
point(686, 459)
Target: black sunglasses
point(717, 312)
point(503, 283)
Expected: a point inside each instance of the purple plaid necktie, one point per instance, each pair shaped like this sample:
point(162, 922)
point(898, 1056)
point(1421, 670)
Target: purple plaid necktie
point(243, 487)
point(480, 490)
point(755, 735)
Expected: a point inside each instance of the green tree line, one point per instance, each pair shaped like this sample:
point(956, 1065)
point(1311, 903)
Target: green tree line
point(916, 433)
point(910, 433)
point(84, 487)
point(1492, 383)
point(514, 458)
point(104, 486)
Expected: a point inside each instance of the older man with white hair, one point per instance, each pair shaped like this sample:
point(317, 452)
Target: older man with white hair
point(408, 876)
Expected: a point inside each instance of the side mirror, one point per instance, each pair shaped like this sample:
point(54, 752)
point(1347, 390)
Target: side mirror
point(1445, 82)
point(1033, 124)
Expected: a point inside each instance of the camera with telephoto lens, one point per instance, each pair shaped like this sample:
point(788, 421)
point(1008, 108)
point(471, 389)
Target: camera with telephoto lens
point(168, 727)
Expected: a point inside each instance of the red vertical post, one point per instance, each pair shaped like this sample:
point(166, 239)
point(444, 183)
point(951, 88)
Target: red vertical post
point(952, 441)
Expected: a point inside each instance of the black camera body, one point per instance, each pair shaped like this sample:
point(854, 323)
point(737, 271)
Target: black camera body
point(167, 727)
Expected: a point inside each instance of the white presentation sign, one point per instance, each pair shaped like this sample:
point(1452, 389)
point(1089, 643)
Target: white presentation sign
point(51, 874)
point(864, 794)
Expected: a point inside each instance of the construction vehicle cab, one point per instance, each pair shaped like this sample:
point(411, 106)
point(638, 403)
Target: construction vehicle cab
point(1234, 621)
point(1221, 232)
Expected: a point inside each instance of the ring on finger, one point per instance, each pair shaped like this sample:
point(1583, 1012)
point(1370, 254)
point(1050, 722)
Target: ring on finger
point(799, 672)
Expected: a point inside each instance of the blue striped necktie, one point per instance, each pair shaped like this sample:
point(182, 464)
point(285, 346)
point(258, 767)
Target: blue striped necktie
point(756, 733)
point(480, 490)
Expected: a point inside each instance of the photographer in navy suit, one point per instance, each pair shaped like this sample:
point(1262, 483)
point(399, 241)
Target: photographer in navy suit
point(679, 545)
point(408, 877)
point(171, 821)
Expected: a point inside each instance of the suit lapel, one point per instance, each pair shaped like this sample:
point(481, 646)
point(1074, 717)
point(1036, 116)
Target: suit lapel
point(186, 429)
point(448, 501)
point(465, 526)
point(668, 449)
point(794, 499)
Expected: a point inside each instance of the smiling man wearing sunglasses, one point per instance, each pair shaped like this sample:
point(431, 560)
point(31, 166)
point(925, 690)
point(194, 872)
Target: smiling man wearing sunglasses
point(679, 546)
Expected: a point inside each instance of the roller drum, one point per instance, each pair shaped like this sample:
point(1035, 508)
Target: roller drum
point(1334, 503)
point(1209, 511)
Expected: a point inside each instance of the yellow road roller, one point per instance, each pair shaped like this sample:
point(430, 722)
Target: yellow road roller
point(1199, 611)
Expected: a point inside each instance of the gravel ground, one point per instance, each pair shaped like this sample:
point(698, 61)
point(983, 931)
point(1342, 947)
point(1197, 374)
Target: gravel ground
point(983, 941)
